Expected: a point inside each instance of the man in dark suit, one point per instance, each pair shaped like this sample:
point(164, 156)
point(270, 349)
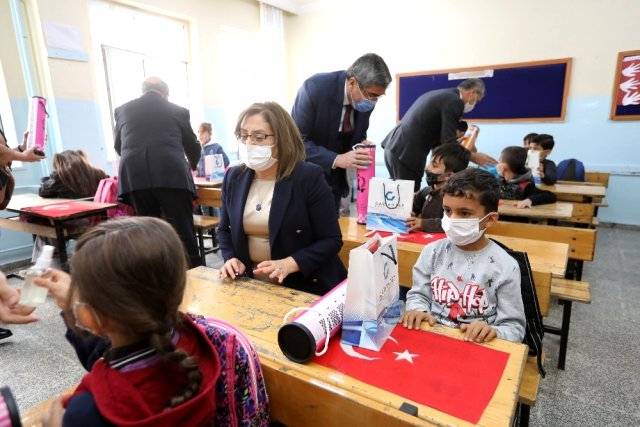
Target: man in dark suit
point(332, 112)
point(430, 121)
point(152, 136)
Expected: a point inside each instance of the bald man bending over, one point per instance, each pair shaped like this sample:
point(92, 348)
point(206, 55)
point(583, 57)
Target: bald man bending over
point(152, 136)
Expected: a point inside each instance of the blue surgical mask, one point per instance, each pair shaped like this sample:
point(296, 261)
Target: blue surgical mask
point(364, 105)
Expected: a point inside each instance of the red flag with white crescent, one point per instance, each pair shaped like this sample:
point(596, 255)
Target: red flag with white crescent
point(450, 375)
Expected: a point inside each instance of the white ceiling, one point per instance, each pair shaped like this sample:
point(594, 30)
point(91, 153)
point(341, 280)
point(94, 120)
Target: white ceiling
point(300, 7)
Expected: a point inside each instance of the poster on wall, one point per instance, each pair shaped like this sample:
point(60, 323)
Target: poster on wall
point(626, 90)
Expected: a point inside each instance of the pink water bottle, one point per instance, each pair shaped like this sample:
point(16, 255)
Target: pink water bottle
point(37, 123)
point(364, 175)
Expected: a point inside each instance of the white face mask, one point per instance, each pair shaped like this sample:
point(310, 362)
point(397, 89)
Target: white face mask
point(258, 157)
point(463, 231)
point(468, 106)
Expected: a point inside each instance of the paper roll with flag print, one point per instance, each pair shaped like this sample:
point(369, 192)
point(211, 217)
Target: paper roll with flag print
point(306, 335)
point(37, 123)
point(363, 178)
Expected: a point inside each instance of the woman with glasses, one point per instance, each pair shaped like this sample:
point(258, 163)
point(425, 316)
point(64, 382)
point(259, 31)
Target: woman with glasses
point(278, 220)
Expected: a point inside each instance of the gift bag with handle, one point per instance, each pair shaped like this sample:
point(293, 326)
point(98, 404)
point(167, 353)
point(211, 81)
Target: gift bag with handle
point(372, 307)
point(389, 204)
point(213, 166)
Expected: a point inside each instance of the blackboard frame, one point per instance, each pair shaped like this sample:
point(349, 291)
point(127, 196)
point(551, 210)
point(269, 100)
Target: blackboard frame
point(620, 112)
point(561, 67)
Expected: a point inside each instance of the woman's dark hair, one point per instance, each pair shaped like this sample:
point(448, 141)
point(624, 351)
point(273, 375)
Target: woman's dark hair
point(133, 272)
point(77, 173)
point(289, 148)
point(516, 159)
point(474, 183)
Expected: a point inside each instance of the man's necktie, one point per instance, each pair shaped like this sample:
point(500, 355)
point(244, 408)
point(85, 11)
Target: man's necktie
point(346, 120)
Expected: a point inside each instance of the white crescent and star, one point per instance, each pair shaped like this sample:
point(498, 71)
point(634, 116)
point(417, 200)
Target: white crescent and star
point(405, 355)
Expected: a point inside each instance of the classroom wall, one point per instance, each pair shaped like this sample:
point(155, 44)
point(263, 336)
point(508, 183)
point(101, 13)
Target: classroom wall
point(74, 91)
point(419, 35)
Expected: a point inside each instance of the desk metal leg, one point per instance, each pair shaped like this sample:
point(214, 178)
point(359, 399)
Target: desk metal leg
point(62, 246)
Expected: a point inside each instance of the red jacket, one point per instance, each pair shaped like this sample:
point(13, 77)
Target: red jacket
point(134, 390)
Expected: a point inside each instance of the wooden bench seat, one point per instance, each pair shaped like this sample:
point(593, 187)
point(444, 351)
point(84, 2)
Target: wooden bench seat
point(571, 290)
point(210, 197)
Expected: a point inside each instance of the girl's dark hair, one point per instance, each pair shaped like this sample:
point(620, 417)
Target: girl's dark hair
point(474, 183)
point(77, 173)
point(516, 159)
point(133, 272)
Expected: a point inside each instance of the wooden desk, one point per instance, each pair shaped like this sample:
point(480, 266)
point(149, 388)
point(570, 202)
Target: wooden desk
point(313, 395)
point(576, 192)
point(202, 182)
point(558, 210)
point(59, 226)
point(544, 256)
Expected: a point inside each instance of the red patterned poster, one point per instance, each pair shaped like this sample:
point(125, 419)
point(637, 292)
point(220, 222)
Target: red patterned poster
point(626, 90)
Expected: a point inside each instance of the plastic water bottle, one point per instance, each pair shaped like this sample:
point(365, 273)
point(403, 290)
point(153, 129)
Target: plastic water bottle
point(33, 295)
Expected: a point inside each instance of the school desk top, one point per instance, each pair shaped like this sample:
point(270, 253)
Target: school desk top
point(578, 188)
point(558, 210)
point(77, 208)
point(316, 395)
point(544, 256)
point(202, 182)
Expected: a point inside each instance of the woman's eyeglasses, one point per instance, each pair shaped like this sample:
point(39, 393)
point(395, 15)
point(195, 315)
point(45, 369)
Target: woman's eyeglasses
point(255, 137)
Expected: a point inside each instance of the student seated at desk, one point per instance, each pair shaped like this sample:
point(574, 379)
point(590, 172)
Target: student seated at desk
point(467, 280)
point(278, 220)
point(446, 159)
point(148, 364)
point(516, 181)
point(73, 177)
point(205, 133)
point(544, 144)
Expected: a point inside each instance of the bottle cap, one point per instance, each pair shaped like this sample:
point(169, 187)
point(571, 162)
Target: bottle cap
point(44, 260)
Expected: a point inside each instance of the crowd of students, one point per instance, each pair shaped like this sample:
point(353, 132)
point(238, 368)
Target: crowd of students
point(278, 223)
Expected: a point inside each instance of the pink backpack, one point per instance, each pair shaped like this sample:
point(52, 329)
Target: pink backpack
point(241, 395)
point(107, 192)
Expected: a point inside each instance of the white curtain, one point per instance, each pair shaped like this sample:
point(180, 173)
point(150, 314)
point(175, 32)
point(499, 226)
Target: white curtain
point(272, 73)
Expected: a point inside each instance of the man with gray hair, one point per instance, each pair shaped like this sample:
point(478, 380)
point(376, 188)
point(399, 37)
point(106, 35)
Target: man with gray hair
point(152, 136)
point(332, 111)
point(430, 121)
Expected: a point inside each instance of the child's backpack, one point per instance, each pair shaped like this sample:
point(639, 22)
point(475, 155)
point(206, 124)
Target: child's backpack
point(107, 192)
point(571, 170)
point(534, 329)
point(241, 395)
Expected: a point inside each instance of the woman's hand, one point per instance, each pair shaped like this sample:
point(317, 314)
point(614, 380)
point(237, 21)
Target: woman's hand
point(29, 155)
point(279, 269)
point(232, 269)
point(58, 283)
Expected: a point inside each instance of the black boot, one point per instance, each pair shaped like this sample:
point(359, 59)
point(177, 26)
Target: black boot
point(5, 333)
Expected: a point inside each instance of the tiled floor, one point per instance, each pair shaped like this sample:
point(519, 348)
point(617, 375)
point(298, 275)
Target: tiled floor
point(600, 386)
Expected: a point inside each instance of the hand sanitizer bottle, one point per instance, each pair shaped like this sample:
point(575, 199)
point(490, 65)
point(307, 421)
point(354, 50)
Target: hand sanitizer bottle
point(33, 295)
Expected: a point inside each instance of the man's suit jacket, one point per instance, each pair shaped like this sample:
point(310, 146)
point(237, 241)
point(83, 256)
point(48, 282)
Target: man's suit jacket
point(302, 223)
point(152, 137)
point(317, 111)
point(430, 121)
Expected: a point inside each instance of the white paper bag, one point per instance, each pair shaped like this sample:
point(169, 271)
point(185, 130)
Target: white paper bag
point(389, 204)
point(372, 306)
point(214, 166)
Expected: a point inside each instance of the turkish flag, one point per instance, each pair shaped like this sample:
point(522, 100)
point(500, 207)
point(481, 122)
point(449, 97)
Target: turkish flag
point(450, 375)
point(60, 209)
point(420, 237)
